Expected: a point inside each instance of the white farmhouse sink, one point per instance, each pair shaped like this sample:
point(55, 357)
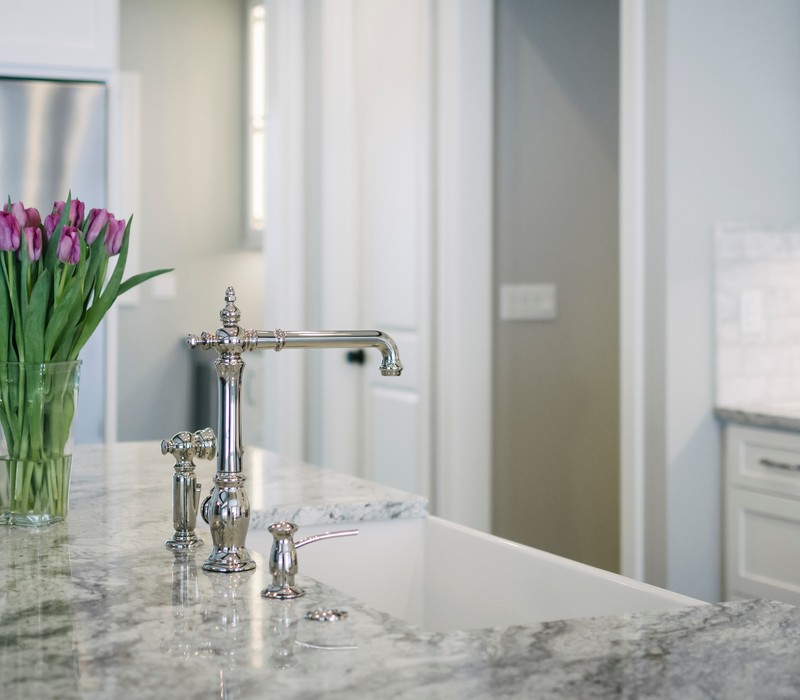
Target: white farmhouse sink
point(443, 577)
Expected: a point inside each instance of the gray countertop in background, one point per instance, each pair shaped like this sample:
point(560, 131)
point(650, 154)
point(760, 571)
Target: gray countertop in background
point(780, 416)
point(97, 608)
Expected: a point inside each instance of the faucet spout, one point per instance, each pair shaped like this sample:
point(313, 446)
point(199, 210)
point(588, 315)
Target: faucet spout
point(278, 340)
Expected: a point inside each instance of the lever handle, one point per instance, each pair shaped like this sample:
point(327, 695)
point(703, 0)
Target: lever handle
point(185, 446)
point(324, 536)
point(204, 341)
point(283, 558)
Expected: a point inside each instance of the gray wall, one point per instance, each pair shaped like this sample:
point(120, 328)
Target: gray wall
point(723, 145)
point(556, 404)
point(190, 56)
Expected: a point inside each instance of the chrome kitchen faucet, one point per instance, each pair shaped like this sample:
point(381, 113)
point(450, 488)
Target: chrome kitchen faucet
point(227, 508)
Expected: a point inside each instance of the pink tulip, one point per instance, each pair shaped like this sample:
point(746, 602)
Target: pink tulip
point(33, 243)
point(114, 234)
point(97, 219)
point(9, 231)
point(50, 223)
point(34, 218)
point(75, 216)
point(25, 217)
point(69, 245)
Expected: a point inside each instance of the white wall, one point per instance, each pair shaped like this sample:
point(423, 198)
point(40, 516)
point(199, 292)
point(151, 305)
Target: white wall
point(190, 57)
point(722, 126)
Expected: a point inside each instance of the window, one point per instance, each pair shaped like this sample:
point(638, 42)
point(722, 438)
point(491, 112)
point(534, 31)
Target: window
point(256, 122)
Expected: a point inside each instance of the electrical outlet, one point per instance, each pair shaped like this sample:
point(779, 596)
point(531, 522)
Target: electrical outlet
point(527, 302)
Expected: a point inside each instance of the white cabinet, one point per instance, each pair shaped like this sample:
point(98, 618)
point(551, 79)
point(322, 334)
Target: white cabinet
point(59, 38)
point(762, 514)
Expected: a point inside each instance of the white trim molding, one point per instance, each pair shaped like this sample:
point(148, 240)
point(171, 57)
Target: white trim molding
point(464, 163)
point(632, 242)
point(124, 198)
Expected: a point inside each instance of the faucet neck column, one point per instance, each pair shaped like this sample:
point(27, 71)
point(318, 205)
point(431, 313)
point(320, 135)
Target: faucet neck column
point(229, 368)
point(227, 508)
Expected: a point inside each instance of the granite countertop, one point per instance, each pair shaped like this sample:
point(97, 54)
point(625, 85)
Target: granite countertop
point(778, 415)
point(281, 489)
point(96, 607)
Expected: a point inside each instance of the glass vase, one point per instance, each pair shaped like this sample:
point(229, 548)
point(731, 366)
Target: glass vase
point(37, 411)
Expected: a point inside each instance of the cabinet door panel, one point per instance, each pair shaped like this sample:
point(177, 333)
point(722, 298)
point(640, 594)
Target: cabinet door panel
point(763, 546)
point(58, 34)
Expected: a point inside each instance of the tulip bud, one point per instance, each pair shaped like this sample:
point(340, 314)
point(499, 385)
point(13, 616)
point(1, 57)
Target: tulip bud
point(76, 208)
point(75, 215)
point(69, 245)
point(33, 217)
point(97, 219)
point(25, 217)
point(114, 234)
point(9, 231)
point(33, 243)
point(50, 223)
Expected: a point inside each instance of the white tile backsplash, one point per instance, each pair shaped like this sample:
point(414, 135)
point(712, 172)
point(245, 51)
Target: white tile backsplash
point(758, 343)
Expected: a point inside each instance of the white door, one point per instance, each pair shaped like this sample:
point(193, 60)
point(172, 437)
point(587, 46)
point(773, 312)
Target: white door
point(394, 117)
point(375, 237)
point(380, 217)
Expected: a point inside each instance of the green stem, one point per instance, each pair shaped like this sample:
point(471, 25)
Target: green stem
point(8, 271)
point(41, 406)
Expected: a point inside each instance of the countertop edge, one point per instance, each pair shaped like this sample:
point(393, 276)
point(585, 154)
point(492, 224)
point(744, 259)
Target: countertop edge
point(758, 415)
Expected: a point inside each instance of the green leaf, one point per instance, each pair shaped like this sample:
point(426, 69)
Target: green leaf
point(68, 311)
point(102, 304)
point(63, 348)
point(5, 317)
point(35, 319)
point(99, 265)
point(8, 264)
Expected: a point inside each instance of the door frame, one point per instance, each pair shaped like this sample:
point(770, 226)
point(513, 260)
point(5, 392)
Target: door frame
point(642, 553)
point(464, 261)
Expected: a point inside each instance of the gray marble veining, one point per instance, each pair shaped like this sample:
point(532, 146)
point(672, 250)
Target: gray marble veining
point(97, 608)
point(307, 495)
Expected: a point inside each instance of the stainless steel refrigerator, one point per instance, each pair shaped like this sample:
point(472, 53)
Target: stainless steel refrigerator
point(53, 139)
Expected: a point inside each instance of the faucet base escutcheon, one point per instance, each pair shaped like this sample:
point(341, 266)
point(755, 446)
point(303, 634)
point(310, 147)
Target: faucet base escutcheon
point(227, 512)
point(229, 560)
point(181, 542)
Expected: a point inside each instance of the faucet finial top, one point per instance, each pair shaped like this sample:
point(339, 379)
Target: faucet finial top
point(229, 314)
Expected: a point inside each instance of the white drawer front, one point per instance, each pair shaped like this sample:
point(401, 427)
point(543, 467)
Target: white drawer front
point(763, 546)
point(763, 459)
